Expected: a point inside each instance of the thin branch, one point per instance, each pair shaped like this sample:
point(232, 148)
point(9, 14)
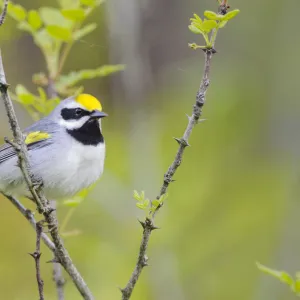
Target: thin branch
point(4, 12)
point(34, 187)
point(57, 273)
point(148, 224)
point(29, 216)
point(65, 52)
point(51, 91)
point(59, 281)
point(36, 256)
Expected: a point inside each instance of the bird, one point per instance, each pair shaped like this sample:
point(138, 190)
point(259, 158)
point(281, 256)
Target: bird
point(66, 150)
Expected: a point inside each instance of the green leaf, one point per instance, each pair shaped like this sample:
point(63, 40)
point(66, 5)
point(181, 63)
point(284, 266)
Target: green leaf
point(43, 39)
point(197, 18)
point(21, 89)
point(83, 193)
point(194, 29)
point(142, 195)
point(210, 15)
point(34, 19)
point(76, 15)
point(296, 287)
point(50, 104)
point(282, 276)
point(42, 93)
point(53, 16)
point(72, 202)
point(84, 31)
point(141, 205)
point(222, 23)
point(194, 46)
point(208, 25)
point(163, 198)
point(230, 15)
point(69, 3)
point(23, 25)
point(74, 77)
point(16, 11)
point(155, 203)
point(91, 3)
point(24, 96)
point(59, 32)
point(136, 195)
point(77, 199)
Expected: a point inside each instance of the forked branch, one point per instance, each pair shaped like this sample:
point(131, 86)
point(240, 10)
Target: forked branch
point(148, 224)
point(36, 256)
point(34, 186)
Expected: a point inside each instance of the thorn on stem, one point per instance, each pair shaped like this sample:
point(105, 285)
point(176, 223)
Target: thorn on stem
point(53, 260)
point(181, 141)
point(209, 50)
point(4, 86)
point(142, 224)
point(35, 255)
point(155, 227)
point(189, 117)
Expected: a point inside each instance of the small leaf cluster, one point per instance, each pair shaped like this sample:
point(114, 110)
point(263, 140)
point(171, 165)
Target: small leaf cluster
point(212, 23)
point(54, 31)
point(145, 204)
point(293, 283)
point(37, 105)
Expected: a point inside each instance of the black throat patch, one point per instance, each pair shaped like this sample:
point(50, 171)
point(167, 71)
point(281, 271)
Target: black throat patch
point(88, 134)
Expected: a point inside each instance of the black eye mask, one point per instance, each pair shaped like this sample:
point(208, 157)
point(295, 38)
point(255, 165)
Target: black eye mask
point(74, 113)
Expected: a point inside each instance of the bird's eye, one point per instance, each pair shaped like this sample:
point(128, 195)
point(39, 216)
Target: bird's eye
point(78, 112)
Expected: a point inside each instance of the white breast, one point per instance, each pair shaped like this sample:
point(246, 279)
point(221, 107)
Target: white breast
point(81, 165)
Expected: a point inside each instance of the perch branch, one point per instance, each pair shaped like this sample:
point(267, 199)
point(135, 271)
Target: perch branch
point(57, 274)
point(148, 224)
point(36, 256)
point(59, 281)
point(4, 12)
point(34, 187)
point(29, 216)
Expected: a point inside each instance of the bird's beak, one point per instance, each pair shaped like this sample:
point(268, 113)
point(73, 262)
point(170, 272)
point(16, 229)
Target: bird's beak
point(96, 114)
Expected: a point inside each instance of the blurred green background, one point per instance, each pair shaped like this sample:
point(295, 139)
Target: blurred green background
point(236, 196)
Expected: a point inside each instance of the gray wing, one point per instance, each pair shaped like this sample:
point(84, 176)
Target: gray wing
point(44, 125)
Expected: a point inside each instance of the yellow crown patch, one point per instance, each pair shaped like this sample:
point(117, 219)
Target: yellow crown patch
point(89, 102)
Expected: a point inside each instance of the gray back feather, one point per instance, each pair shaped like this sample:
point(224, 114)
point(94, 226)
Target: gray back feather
point(45, 125)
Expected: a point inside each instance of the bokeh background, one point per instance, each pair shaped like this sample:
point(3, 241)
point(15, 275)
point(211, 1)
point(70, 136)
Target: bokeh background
point(236, 196)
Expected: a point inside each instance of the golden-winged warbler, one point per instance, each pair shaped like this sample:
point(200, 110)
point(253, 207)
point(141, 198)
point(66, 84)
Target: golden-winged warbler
point(66, 150)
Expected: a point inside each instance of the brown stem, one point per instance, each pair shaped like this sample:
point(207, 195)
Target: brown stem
point(37, 255)
point(57, 273)
point(34, 187)
point(29, 216)
point(65, 52)
point(148, 225)
point(4, 12)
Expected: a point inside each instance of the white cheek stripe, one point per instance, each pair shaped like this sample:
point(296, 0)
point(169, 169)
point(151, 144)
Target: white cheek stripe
point(73, 124)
